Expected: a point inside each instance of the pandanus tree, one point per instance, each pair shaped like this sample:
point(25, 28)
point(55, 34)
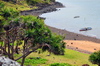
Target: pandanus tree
point(38, 35)
point(34, 33)
point(28, 31)
point(7, 30)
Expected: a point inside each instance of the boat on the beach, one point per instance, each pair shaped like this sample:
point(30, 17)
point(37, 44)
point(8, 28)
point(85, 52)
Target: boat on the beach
point(85, 29)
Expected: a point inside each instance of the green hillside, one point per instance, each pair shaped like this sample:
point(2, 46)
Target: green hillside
point(22, 5)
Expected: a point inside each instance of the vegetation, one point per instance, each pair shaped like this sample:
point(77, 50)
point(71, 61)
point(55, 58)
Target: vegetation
point(71, 57)
point(34, 61)
point(35, 2)
point(60, 64)
point(20, 7)
point(95, 58)
point(22, 35)
point(31, 2)
point(25, 34)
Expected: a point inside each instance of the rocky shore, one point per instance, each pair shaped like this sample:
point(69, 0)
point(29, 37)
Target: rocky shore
point(43, 8)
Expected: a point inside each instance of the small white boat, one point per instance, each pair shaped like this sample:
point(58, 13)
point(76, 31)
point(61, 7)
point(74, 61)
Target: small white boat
point(85, 29)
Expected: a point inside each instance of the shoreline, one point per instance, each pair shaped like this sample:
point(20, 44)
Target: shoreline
point(69, 36)
point(46, 8)
point(73, 36)
point(78, 42)
point(43, 8)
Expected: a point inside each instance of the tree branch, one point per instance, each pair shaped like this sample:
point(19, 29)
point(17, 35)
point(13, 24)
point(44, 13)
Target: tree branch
point(29, 52)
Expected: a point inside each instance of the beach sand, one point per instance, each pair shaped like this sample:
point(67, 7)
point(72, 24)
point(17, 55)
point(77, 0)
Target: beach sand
point(82, 46)
point(78, 42)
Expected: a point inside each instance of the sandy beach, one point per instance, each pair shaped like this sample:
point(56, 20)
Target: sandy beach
point(78, 42)
point(82, 46)
point(73, 41)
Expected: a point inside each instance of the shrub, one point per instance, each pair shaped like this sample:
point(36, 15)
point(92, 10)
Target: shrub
point(9, 12)
point(95, 58)
point(34, 2)
point(60, 64)
point(2, 4)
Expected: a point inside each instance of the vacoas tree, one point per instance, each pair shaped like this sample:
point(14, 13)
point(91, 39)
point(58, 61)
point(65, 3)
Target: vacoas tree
point(95, 58)
point(33, 33)
point(8, 30)
point(38, 36)
point(29, 32)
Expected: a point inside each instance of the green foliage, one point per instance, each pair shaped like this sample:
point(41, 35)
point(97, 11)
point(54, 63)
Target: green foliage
point(57, 44)
point(34, 2)
point(42, 34)
point(2, 4)
point(95, 58)
point(60, 64)
point(34, 61)
point(29, 29)
point(9, 12)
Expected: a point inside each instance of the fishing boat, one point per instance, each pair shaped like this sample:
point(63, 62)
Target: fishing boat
point(85, 29)
point(76, 16)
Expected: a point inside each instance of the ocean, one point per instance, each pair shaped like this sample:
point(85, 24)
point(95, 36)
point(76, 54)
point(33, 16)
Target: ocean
point(88, 12)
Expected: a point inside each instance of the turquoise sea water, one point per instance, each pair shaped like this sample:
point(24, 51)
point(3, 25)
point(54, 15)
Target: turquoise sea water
point(87, 10)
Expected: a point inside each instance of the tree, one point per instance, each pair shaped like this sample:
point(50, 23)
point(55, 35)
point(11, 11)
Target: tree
point(34, 33)
point(28, 33)
point(95, 58)
point(38, 35)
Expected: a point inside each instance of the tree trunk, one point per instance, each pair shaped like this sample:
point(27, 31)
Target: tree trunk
point(7, 35)
point(16, 49)
point(27, 53)
point(12, 49)
point(98, 64)
point(23, 60)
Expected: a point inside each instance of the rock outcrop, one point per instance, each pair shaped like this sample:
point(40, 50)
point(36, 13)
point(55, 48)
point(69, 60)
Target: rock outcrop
point(4, 61)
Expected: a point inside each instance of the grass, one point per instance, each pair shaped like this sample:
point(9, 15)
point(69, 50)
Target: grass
point(60, 64)
point(72, 57)
point(20, 7)
point(34, 61)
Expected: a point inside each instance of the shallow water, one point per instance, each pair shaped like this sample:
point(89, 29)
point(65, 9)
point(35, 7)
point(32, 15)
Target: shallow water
point(87, 10)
